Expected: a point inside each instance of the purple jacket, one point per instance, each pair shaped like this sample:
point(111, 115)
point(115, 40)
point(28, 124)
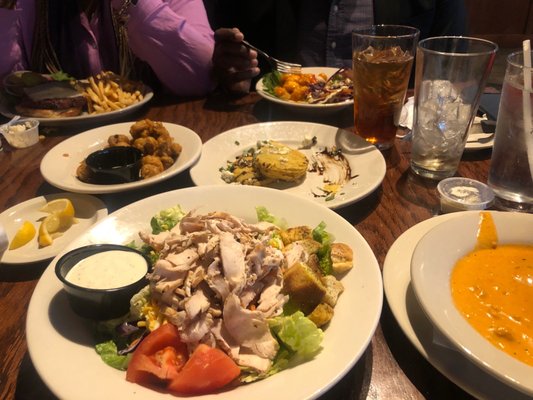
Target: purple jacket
point(172, 36)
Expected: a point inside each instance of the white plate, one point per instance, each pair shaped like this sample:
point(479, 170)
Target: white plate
point(305, 106)
point(89, 210)
point(419, 330)
point(59, 165)
point(366, 162)
point(6, 111)
point(56, 336)
point(477, 139)
point(432, 263)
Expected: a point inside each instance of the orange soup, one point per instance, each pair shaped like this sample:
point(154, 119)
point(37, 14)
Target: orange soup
point(492, 287)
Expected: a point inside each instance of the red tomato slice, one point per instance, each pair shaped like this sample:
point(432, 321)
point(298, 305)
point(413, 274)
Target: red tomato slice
point(159, 357)
point(207, 370)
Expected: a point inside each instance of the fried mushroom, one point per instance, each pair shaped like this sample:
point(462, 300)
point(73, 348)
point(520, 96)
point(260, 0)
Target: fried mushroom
point(118, 140)
point(147, 145)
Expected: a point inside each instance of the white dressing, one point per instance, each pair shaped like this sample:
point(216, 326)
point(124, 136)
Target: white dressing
point(108, 270)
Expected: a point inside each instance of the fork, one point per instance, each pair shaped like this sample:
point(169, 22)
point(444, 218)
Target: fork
point(281, 66)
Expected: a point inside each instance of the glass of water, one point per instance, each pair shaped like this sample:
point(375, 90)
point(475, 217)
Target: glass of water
point(450, 76)
point(511, 165)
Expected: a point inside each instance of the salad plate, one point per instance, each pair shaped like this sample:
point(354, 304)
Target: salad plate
point(420, 331)
point(59, 165)
point(366, 162)
point(303, 106)
point(89, 210)
point(56, 336)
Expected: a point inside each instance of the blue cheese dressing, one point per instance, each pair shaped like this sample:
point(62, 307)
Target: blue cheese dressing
point(108, 270)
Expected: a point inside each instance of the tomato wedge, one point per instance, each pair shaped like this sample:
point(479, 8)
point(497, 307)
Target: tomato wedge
point(207, 370)
point(159, 357)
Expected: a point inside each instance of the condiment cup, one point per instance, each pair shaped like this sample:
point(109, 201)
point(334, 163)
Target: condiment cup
point(463, 194)
point(22, 133)
point(98, 304)
point(120, 164)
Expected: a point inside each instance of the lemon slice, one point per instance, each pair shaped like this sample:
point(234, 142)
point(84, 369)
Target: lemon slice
point(63, 209)
point(25, 233)
point(49, 229)
point(60, 206)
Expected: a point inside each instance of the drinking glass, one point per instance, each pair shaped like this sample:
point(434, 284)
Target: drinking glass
point(382, 57)
point(450, 76)
point(511, 166)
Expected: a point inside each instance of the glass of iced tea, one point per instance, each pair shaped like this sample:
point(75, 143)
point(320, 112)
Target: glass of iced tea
point(382, 58)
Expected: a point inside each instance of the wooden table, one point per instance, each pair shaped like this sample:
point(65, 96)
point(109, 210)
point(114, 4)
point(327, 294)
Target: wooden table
point(391, 368)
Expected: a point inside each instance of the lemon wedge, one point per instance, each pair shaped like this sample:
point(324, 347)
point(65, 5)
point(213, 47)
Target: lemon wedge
point(63, 209)
point(25, 233)
point(49, 229)
point(60, 217)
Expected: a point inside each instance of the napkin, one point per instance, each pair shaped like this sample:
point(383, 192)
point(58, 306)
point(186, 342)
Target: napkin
point(406, 116)
point(4, 242)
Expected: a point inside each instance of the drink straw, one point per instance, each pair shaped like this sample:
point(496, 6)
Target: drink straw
point(526, 102)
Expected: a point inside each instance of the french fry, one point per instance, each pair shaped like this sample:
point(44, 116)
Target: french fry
point(105, 92)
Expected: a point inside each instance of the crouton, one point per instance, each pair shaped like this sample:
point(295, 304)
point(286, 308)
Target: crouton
point(321, 315)
point(334, 288)
point(296, 233)
point(303, 286)
point(341, 257)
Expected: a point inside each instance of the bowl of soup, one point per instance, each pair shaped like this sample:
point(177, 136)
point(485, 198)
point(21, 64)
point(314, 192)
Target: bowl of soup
point(100, 279)
point(473, 277)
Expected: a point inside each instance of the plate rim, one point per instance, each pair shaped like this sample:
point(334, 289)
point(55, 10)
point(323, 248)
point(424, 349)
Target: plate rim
point(370, 271)
point(89, 188)
point(101, 212)
point(380, 169)
point(479, 350)
point(304, 106)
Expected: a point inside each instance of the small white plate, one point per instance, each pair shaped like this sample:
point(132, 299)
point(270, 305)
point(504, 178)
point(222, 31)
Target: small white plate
point(429, 342)
point(56, 336)
point(59, 165)
point(477, 139)
point(305, 106)
point(85, 117)
point(433, 261)
point(366, 162)
point(89, 209)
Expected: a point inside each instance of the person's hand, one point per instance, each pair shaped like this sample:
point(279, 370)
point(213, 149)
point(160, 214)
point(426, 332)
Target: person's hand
point(233, 63)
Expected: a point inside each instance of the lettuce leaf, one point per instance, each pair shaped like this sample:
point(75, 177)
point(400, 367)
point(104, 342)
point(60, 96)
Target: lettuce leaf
point(299, 340)
point(321, 235)
point(109, 353)
point(324, 253)
point(270, 81)
point(298, 333)
point(167, 219)
point(264, 215)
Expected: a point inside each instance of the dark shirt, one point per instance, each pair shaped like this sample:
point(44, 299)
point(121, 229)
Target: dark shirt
point(318, 32)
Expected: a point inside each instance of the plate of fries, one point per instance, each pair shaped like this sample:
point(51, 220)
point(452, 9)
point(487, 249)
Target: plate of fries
point(107, 92)
point(108, 96)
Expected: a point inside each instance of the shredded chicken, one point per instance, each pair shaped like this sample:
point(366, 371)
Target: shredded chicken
point(218, 280)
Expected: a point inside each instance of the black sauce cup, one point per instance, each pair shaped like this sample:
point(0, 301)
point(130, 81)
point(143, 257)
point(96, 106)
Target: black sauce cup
point(112, 165)
point(98, 304)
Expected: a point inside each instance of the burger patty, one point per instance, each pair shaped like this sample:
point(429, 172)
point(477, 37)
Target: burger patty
point(55, 103)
